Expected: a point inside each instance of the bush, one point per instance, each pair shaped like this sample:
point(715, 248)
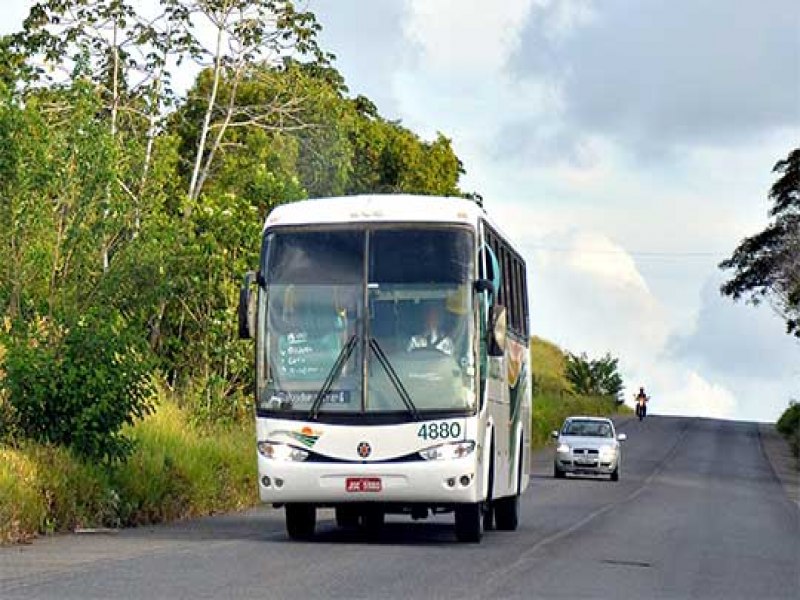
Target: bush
point(77, 385)
point(789, 426)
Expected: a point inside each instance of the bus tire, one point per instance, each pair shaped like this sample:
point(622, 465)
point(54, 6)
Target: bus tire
point(372, 519)
point(347, 517)
point(301, 519)
point(469, 521)
point(506, 510)
point(488, 506)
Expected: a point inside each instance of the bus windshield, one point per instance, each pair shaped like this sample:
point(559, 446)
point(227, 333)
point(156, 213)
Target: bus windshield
point(368, 321)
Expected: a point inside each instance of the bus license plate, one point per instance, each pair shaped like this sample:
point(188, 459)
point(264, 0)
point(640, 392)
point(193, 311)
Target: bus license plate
point(363, 484)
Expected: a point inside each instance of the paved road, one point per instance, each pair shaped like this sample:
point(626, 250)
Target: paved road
point(697, 513)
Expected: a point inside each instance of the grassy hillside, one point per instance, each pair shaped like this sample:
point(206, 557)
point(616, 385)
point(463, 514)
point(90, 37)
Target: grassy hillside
point(552, 397)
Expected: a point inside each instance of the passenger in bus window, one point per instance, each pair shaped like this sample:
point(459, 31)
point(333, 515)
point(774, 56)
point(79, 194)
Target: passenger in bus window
point(433, 335)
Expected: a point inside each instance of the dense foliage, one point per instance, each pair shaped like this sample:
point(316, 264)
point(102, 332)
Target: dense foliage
point(128, 211)
point(767, 264)
point(594, 377)
point(789, 426)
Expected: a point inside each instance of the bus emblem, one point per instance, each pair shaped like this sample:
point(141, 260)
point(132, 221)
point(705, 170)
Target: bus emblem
point(364, 449)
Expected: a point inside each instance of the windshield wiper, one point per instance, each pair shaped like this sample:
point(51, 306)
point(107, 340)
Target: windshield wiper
point(336, 369)
point(394, 378)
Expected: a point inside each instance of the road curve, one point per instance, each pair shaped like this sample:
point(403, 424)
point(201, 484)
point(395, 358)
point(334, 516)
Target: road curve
point(697, 513)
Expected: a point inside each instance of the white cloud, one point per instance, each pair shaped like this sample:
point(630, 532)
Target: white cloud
point(686, 392)
point(588, 296)
point(472, 35)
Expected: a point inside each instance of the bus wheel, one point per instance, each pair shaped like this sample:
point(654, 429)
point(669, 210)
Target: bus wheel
point(468, 522)
point(372, 519)
point(506, 510)
point(300, 521)
point(488, 506)
point(489, 516)
point(506, 513)
point(347, 516)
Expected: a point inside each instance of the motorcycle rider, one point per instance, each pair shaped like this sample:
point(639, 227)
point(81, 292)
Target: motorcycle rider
point(641, 403)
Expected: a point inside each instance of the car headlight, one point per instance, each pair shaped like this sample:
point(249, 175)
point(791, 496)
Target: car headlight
point(607, 451)
point(448, 451)
point(563, 449)
point(279, 451)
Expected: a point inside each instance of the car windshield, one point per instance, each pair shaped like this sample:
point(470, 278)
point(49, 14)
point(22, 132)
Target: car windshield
point(587, 428)
point(389, 310)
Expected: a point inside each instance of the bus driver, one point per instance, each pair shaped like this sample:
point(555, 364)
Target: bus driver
point(433, 336)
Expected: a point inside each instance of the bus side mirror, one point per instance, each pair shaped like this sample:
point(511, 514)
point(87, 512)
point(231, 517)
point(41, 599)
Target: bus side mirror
point(483, 285)
point(498, 326)
point(247, 307)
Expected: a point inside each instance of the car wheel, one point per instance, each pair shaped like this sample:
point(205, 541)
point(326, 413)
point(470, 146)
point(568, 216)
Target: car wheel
point(558, 473)
point(301, 519)
point(615, 474)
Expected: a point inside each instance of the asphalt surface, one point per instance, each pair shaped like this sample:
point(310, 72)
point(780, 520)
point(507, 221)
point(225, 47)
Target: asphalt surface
point(697, 513)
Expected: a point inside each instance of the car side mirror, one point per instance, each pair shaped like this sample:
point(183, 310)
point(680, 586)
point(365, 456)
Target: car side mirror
point(554, 435)
point(622, 437)
point(483, 285)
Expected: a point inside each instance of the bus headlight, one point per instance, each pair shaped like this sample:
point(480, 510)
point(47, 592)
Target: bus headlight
point(278, 451)
point(448, 451)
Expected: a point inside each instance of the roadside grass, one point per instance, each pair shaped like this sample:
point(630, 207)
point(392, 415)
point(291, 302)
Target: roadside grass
point(548, 363)
point(180, 470)
point(177, 471)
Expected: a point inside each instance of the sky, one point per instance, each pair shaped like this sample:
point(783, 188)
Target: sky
point(625, 147)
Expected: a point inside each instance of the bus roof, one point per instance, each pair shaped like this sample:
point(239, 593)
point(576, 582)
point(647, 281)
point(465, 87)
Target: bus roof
point(376, 208)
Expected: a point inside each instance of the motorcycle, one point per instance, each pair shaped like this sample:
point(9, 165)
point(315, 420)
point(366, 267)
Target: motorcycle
point(641, 408)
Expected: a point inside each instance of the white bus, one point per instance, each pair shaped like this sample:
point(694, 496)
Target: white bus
point(392, 364)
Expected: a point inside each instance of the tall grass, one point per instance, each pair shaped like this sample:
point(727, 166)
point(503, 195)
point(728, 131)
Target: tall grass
point(180, 471)
point(177, 471)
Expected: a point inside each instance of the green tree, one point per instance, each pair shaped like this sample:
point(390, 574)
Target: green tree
point(76, 384)
point(788, 425)
point(598, 377)
point(74, 368)
point(767, 264)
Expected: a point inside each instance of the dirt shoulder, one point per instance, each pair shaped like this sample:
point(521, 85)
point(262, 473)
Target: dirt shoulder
point(786, 466)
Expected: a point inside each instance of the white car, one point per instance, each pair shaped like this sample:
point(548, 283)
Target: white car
point(588, 445)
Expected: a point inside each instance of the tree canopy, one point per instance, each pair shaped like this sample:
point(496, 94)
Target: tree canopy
point(594, 377)
point(128, 210)
point(767, 264)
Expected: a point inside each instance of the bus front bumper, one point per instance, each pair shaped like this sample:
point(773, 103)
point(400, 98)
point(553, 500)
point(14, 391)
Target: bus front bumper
point(433, 482)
